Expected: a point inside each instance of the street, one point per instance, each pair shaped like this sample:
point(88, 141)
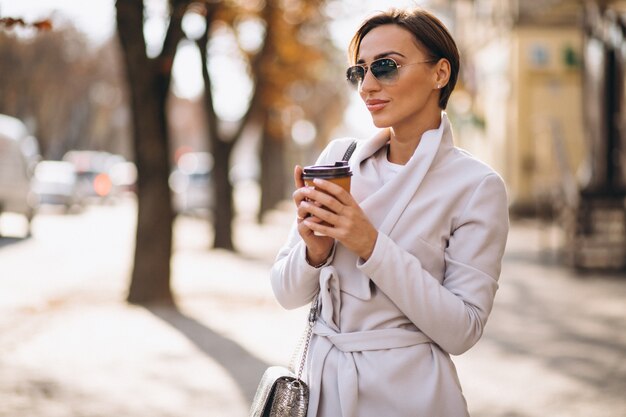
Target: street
point(555, 344)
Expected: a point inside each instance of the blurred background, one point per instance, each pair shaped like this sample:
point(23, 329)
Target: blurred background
point(146, 157)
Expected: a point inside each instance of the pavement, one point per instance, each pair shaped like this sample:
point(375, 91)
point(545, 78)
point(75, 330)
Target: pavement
point(555, 344)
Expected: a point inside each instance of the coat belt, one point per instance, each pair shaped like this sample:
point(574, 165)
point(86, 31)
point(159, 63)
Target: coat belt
point(349, 343)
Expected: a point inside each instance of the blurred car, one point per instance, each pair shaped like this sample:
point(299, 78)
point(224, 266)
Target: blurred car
point(54, 183)
point(93, 178)
point(191, 184)
point(19, 153)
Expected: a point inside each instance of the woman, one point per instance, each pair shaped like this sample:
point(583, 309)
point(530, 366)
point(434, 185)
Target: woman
point(408, 268)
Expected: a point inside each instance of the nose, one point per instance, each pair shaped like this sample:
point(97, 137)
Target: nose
point(369, 83)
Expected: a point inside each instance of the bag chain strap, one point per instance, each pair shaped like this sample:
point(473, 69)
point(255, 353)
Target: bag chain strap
point(348, 154)
point(309, 333)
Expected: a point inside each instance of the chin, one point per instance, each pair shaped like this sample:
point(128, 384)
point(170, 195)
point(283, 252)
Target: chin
point(380, 122)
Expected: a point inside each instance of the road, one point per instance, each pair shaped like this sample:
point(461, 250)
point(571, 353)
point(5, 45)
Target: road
point(555, 344)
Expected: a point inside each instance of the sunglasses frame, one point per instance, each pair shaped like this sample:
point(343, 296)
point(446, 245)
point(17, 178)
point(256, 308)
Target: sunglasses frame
point(394, 74)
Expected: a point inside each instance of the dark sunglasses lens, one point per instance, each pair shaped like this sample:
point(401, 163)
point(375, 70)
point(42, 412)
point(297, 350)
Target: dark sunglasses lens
point(355, 75)
point(384, 69)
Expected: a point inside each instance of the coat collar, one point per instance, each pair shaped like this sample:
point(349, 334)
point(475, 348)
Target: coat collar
point(386, 204)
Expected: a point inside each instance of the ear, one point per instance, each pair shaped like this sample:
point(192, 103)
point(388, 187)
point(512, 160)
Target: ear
point(442, 73)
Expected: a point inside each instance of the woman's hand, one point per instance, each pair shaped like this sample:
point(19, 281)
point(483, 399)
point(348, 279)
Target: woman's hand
point(318, 247)
point(347, 223)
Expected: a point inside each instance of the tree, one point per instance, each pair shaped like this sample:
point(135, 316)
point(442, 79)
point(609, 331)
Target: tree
point(54, 80)
point(149, 85)
point(300, 88)
point(222, 142)
point(288, 55)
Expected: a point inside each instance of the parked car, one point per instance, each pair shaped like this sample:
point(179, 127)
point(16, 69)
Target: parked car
point(93, 176)
point(191, 185)
point(54, 183)
point(19, 153)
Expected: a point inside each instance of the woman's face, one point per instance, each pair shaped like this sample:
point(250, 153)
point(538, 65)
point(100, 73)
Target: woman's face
point(413, 93)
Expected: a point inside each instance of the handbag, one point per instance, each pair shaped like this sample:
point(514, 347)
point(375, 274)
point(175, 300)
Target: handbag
point(281, 393)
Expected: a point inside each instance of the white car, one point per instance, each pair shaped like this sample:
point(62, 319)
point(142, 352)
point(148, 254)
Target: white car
point(54, 183)
point(191, 184)
point(19, 153)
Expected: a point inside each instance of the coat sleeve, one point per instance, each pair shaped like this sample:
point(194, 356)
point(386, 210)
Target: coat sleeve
point(293, 280)
point(452, 313)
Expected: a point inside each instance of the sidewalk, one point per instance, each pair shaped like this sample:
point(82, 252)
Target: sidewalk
point(555, 344)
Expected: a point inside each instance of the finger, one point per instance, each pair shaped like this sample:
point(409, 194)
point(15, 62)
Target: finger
point(302, 214)
point(321, 213)
point(317, 196)
point(313, 219)
point(304, 227)
point(297, 176)
point(333, 189)
point(299, 195)
point(322, 199)
point(327, 231)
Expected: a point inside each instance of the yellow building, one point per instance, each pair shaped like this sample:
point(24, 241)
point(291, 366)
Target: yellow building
point(543, 100)
point(522, 107)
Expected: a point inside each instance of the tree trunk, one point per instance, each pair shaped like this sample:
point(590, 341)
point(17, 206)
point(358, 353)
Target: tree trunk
point(274, 177)
point(221, 147)
point(223, 144)
point(148, 80)
point(224, 213)
point(153, 248)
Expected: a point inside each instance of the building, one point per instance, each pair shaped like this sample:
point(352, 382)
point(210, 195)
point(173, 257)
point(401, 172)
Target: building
point(542, 100)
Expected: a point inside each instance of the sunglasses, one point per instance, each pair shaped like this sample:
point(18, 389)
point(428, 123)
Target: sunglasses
point(385, 70)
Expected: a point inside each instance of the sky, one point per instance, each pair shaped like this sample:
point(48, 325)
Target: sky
point(97, 19)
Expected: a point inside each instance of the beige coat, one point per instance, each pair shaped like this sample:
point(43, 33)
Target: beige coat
point(382, 343)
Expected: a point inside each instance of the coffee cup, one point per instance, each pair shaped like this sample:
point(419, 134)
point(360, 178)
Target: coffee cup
point(338, 173)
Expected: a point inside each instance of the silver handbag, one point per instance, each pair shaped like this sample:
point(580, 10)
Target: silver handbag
point(281, 393)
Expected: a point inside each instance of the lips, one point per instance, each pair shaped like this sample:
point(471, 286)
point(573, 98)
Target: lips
point(375, 104)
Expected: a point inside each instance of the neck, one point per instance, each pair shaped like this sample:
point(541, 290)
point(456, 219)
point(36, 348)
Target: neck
point(404, 140)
